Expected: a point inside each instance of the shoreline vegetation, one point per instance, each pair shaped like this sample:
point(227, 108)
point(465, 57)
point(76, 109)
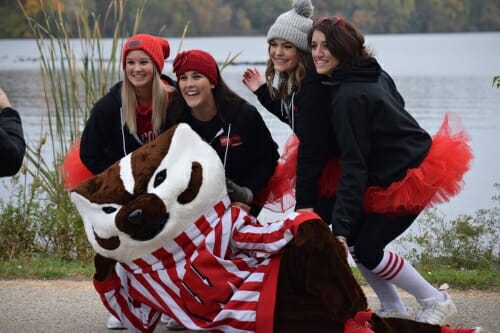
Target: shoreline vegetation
point(250, 18)
point(42, 235)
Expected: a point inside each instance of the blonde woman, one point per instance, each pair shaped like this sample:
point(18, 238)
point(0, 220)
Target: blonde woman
point(134, 111)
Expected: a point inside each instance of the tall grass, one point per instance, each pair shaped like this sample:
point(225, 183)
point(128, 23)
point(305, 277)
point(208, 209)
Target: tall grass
point(75, 71)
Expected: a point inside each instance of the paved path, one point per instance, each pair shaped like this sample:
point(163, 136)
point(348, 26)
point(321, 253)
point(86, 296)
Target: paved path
point(62, 306)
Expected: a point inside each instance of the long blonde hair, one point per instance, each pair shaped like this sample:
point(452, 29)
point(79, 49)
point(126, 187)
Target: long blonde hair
point(288, 82)
point(161, 101)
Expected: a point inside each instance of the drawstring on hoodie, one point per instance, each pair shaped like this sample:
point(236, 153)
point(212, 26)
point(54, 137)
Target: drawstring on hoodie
point(227, 144)
point(123, 133)
point(288, 109)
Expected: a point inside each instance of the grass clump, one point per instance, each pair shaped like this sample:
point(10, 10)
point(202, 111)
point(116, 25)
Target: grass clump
point(464, 243)
point(41, 267)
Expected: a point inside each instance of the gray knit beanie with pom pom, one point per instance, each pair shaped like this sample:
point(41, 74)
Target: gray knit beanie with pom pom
point(294, 24)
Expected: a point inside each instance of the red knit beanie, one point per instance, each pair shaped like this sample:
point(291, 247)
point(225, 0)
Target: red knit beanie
point(198, 61)
point(157, 48)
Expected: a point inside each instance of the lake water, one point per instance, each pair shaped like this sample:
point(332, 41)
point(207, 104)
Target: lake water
point(436, 73)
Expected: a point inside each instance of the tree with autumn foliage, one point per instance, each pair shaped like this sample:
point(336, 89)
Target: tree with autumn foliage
point(243, 17)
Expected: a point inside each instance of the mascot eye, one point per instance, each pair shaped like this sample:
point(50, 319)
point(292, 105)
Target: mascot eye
point(160, 177)
point(108, 209)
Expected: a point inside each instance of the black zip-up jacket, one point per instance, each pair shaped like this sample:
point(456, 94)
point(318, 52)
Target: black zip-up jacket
point(243, 142)
point(378, 139)
point(12, 144)
point(104, 139)
point(307, 115)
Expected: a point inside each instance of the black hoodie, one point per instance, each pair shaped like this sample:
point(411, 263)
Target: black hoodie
point(104, 139)
point(307, 115)
point(12, 144)
point(378, 139)
point(243, 142)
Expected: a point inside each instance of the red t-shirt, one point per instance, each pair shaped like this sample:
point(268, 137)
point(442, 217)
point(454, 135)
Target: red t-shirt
point(144, 122)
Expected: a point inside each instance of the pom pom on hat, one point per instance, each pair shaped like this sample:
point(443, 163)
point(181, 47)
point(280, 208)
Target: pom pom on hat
point(198, 61)
point(157, 48)
point(294, 24)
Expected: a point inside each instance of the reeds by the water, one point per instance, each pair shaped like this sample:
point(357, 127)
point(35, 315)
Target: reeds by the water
point(42, 213)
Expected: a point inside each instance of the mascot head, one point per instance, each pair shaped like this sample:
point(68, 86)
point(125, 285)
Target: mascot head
point(151, 195)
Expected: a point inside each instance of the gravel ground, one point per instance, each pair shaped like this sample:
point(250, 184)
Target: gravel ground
point(73, 306)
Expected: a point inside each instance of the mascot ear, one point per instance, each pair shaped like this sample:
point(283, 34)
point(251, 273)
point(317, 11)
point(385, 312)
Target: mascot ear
point(194, 184)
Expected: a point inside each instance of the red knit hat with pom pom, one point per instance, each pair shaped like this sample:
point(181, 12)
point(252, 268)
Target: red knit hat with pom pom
point(157, 48)
point(198, 61)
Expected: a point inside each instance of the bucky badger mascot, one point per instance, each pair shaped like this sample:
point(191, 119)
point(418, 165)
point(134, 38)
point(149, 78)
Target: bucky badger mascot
point(169, 242)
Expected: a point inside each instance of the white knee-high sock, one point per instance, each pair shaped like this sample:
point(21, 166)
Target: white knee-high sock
point(401, 273)
point(386, 292)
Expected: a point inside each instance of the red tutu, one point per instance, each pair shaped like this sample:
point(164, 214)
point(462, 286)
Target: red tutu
point(279, 192)
point(436, 180)
point(73, 171)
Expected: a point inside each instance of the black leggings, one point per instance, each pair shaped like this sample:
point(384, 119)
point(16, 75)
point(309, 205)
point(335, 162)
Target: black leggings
point(373, 233)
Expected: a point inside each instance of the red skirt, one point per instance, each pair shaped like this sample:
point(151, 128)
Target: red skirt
point(437, 179)
point(279, 192)
point(73, 171)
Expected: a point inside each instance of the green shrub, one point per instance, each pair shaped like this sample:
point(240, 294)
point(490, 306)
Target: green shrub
point(466, 242)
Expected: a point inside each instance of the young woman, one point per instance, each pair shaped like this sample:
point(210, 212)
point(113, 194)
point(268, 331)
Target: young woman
point(132, 113)
point(12, 144)
point(391, 168)
point(234, 128)
point(291, 90)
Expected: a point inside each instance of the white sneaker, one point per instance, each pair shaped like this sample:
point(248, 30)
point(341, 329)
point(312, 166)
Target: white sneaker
point(394, 314)
point(164, 318)
point(114, 323)
point(434, 312)
point(171, 323)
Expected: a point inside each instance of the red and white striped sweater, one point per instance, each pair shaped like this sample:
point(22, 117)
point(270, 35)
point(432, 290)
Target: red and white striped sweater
point(219, 275)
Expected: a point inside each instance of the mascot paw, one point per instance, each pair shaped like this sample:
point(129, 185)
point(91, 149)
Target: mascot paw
point(103, 267)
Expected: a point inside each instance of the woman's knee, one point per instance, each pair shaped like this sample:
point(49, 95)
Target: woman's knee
point(368, 254)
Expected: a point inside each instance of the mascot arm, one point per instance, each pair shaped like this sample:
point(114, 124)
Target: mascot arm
point(252, 236)
point(104, 267)
point(137, 317)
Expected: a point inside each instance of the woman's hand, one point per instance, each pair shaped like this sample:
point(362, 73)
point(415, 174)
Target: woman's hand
point(253, 79)
point(4, 100)
point(343, 243)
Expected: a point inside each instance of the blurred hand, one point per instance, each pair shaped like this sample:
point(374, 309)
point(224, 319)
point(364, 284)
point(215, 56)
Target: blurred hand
point(239, 193)
point(4, 101)
point(243, 206)
point(253, 79)
point(343, 243)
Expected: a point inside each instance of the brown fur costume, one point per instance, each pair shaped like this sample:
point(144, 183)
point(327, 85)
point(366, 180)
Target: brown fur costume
point(157, 192)
point(317, 291)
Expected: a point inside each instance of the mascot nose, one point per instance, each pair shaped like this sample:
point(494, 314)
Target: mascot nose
point(135, 217)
